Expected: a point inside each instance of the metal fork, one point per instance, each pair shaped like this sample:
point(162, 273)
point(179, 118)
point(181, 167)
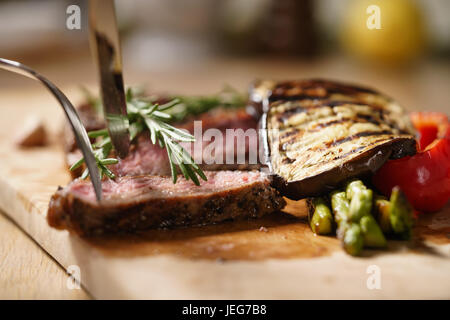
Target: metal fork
point(79, 131)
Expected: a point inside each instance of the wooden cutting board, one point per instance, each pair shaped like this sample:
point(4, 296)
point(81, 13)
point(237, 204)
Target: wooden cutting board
point(277, 257)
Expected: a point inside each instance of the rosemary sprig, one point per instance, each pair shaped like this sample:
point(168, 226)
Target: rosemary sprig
point(102, 147)
point(143, 114)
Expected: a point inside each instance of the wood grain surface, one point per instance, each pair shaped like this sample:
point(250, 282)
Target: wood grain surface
point(276, 257)
point(28, 272)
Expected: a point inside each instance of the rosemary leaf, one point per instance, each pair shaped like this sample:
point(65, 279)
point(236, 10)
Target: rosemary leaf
point(98, 133)
point(77, 164)
point(85, 174)
point(109, 161)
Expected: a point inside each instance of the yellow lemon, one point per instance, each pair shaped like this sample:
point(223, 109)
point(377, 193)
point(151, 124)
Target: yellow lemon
point(385, 31)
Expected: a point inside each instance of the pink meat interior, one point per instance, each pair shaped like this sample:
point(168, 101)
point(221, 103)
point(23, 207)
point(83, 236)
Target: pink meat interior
point(132, 187)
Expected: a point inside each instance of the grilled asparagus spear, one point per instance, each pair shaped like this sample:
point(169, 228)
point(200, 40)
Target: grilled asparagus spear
point(373, 236)
point(360, 204)
point(400, 214)
point(381, 210)
point(349, 232)
point(360, 212)
point(354, 187)
point(353, 240)
point(321, 221)
point(394, 215)
point(340, 206)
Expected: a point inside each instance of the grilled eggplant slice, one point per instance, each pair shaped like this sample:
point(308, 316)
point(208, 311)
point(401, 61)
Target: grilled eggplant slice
point(319, 133)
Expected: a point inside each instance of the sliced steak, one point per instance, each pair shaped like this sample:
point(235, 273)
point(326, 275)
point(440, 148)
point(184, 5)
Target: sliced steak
point(147, 158)
point(320, 133)
point(135, 203)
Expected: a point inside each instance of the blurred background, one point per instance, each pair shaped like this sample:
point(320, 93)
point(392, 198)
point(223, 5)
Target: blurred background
point(197, 46)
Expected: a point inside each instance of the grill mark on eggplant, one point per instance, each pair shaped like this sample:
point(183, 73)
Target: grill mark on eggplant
point(320, 126)
point(288, 160)
point(289, 133)
point(368, 118)
point(284, 116)
point(317, 88)
point(343, 140)
point(359, 118)
point(345, 155)
point(322, 83)
point(359, 135)
point(284, 98)
point(291, 136)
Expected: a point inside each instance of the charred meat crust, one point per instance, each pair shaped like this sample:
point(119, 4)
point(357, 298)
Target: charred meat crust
point(343, 157)
point(67, 210)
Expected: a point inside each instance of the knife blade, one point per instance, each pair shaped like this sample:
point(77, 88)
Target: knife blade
point(105, 45)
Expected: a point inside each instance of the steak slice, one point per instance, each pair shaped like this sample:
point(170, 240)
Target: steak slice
point(147, 158)
point(136, 203)
point(320, 133)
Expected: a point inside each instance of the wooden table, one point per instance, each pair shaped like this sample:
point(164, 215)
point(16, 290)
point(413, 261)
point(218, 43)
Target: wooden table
point(28, 272)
